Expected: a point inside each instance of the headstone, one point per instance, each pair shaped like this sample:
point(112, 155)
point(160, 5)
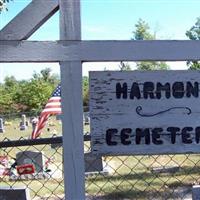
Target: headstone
point(23, 123)
point(34, 122)
point(1, 126)
point(93, 163)
point(196, 192)
point(56, 145)
point(86, 118)
point(31, 157)
point(165, 169)
point(14, 194)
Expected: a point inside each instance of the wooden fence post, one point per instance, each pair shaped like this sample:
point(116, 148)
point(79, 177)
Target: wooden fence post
point(71, 83)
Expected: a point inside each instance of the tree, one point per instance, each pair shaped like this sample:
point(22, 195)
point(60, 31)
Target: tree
point(142, 32)
point(124, 66)
point(152, 65)
point(3, 4)
point(85, 89)
point(45, 75)
point(33, 95)
point(194, 34)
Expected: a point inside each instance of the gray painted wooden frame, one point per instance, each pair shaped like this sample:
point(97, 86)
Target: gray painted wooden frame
point(166, 50)
point(70, 54)
point(71, 76)
point(29, 20)
point(72, 108)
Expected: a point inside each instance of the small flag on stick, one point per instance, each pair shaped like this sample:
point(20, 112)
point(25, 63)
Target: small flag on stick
point(53, 107)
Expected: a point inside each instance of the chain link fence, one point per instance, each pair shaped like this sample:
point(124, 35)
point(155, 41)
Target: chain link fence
point(118, 177)
point(38, 166)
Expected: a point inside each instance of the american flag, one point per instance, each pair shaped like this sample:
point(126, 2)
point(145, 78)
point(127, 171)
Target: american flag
point(53, 107)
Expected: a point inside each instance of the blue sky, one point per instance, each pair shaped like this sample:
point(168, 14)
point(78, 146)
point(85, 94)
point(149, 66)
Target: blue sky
point(110, 20)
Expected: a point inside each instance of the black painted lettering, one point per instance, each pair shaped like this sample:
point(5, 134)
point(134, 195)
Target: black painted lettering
point(186, 139)
point(192, 90)
point(121, 91)
point(156, 136)
point(173, 131)
point(109, 136)
point(197, 134)
point(125, 135)
point(148, 90)
point(178, 90)
point(140, 133)
point(165, 88)
point(135, 91)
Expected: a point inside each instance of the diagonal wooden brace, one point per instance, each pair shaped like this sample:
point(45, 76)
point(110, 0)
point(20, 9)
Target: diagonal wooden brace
point(29, 20)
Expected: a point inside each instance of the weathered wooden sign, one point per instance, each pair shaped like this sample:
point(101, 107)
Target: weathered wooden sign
point(136, 112)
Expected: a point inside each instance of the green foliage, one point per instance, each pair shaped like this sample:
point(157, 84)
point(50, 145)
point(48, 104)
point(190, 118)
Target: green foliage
point(142, 32)
point(45, 75)
point(193, 65)
point(27, 96)
point(3, 5)
point(85, 89)
point(32, 95)
point(124, 66)
point(152, 66)
point(194, 34)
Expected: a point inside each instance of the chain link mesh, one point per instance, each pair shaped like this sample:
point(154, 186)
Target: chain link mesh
point(121, 177)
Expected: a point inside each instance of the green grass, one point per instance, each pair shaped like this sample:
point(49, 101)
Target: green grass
point(132, 177)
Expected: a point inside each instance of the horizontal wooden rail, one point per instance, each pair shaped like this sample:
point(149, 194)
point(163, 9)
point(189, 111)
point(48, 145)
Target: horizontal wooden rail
point(91, 51)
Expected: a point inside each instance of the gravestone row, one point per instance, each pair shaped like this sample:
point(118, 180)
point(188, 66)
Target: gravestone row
point(23, 125)
point(32, 165)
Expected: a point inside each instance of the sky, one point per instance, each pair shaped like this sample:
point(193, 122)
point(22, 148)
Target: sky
point(109, 20)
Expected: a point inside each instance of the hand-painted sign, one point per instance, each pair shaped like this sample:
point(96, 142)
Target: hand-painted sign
point(138, 112)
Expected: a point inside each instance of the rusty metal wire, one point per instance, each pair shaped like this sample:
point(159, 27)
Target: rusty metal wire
point(119, 177)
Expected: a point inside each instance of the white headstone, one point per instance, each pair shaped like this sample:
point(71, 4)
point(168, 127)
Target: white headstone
point(1, 126)
point(23, 123)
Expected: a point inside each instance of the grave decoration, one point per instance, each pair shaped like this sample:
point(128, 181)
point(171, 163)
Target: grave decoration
point(4, 162)
point(26, 169)
point(138, 112)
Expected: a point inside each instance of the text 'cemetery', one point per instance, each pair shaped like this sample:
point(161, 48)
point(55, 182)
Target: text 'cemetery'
point(138, 112)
